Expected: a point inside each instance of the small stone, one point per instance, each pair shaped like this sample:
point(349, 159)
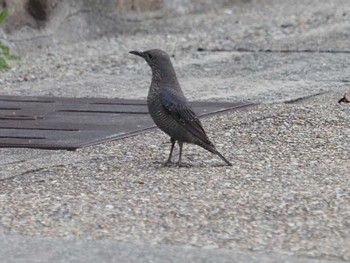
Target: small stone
point(109, 207)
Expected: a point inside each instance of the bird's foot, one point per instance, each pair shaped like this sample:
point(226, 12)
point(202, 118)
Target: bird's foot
point(186, 165)
point(169, 163)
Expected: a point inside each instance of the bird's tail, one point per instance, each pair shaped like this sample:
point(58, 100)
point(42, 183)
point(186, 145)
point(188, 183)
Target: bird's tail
point(211, 148)
point(223, 158)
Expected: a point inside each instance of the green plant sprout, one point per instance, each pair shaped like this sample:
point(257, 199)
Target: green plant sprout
point(5, 55)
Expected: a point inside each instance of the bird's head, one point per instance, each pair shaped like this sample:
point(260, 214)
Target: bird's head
point(155, 58)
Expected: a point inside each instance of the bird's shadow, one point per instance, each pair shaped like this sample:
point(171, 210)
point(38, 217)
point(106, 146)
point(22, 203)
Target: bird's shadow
point(173, 164)
point(162, 164)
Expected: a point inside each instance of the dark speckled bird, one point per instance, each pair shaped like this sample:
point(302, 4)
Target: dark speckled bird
point(169, 108)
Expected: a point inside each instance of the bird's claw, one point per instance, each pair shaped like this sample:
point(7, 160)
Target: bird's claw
point(169, 163)
point(186, 165)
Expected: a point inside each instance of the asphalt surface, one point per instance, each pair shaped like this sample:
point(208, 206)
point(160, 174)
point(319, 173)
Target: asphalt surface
point(285, 199)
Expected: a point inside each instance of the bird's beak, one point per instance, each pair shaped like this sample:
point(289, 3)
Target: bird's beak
point(138, 53)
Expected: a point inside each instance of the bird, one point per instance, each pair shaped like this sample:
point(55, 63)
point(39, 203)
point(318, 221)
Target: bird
point(169, 107)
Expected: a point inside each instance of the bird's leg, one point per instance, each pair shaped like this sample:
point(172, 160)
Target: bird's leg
point(180, 152)
point(171, 151)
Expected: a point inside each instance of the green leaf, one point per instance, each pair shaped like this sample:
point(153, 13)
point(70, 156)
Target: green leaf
point(14, 57)
point(5, 54)
point(3, 63)
point(3, 14)
point(5, 49)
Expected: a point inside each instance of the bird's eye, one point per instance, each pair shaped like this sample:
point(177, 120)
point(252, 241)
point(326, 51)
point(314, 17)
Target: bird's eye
point(150, 56)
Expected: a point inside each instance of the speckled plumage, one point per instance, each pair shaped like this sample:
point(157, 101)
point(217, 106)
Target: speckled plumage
point(169, 108)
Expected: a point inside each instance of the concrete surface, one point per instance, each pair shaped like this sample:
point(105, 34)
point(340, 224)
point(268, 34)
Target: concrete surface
point(38, 249)
point(287, 194)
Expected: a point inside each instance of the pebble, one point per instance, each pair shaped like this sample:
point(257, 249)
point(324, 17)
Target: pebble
point(283, 185)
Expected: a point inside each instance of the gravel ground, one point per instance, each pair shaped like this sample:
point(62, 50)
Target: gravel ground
point(315, 36)
point(287, 191)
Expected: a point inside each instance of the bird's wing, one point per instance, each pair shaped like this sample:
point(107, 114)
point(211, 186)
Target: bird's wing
point(179, 109)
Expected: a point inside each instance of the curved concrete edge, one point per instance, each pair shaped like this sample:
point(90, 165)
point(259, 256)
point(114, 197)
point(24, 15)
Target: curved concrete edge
point(47, 249)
